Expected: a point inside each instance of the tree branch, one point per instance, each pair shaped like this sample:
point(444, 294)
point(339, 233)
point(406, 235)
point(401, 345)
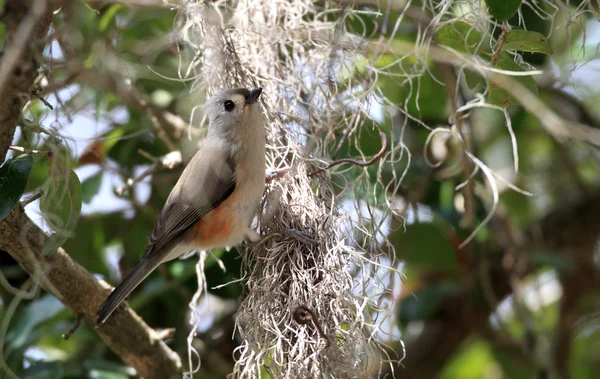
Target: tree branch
point(77, 289)
point(137, 344)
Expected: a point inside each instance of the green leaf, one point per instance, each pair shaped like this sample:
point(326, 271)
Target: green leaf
point(523, 40)
point(61, 205)
point(499, 96)
point(91, 186)
point(101, 374)
point(422, 97)
point(44, 370)
point(424, 245)
point(473, 80)
point(39, 173)
point(38, 312)
point(514, 366)
point(459, 35)
point(502, 10)
point(584, 361)
point(472, 360)
point(424, 304)
point(125, 150)
point(13, 179)
point(93, 235)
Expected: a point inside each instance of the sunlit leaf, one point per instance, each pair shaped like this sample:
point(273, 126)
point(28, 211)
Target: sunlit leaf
point(472, 361)
point(523, 40)
point(39, 173)
point(584, 361)
point(61, 205)
point(564, 39)
point(91, 186)
point(14, 173)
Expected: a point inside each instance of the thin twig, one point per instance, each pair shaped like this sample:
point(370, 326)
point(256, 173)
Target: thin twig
point(303, 315)
point(148, 156)
point(165, 334)
point(46, 103)
point(378, 156)
point(32, 198)
point(501, 41)
point(73, 328)
point(170, 161)
point(30, 151)
point(36, 91)
point(119, 191)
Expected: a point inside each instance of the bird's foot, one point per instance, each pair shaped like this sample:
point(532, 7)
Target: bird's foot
point(252, 236)
point(293, 233)
point(276, 173)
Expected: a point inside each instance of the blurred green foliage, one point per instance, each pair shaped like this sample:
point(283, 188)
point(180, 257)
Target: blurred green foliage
point(119, 43)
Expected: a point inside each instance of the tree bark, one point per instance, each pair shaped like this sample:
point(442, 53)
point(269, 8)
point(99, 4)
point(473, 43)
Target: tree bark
point(27, 24)
point(125, 333)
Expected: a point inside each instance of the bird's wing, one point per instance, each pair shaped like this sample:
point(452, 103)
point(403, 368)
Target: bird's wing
point(210, 179)
point(206, 182)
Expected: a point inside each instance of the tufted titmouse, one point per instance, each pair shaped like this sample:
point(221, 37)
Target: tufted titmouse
point(215, 199)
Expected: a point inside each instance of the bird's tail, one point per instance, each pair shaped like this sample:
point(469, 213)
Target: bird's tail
point(131, 281)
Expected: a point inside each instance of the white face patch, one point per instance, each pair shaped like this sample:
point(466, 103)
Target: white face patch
point(227, 111)
point(239, 100)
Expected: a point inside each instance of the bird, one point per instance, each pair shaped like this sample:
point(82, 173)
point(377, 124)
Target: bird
point(213, 203)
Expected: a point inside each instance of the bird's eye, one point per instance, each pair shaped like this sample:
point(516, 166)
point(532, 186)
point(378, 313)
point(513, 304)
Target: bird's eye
point(229, 105)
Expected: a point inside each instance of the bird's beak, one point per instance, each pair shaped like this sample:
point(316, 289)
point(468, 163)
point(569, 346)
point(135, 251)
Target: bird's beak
point(253, 96)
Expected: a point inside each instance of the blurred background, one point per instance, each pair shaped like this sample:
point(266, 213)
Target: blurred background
point(520, 300)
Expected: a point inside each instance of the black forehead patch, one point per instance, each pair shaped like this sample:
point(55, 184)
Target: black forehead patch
point(239, 91)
